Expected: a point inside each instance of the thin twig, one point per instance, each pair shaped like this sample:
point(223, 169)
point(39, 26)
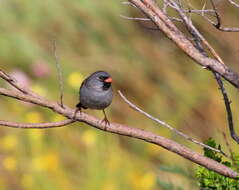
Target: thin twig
point(36, 125)
point(227, 29)
point(147, 19)
point(202, 11)
point(128, 3)
point(165, 6)
point(175, 19)
point(135, 18)
point(203, 7)
point(167, 125)
point(233, 3)
point(218, 25)
point(59, 73)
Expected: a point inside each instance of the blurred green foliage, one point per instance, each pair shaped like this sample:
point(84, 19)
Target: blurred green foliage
point(145, 65)
point(210, 180)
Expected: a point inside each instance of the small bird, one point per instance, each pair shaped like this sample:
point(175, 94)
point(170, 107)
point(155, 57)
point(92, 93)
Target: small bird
point(96, 93)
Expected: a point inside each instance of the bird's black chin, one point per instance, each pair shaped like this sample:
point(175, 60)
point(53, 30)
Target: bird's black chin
point(106, 85)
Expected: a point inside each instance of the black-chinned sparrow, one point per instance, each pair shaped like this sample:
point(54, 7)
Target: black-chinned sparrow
point(96, 92)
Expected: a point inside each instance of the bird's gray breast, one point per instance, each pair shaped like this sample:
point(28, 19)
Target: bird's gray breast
point(95, 98)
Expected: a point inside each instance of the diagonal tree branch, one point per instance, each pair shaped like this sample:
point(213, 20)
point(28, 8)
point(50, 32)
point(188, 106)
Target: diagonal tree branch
point(122, 130)
point(194, 50)
point(168, 126)
point(198, 39)
point(152, 11)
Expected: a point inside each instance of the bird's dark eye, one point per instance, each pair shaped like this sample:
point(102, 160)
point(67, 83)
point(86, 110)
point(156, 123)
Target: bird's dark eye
point(102, 78)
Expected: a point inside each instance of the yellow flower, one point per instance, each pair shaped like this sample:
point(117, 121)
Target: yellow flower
point(133, 178)
point(49, 161)
point(33, 117)
point(89, 137)
point(27, 181)
point(9, 163)
point(142, 181)
point(16, 108)
point(109, 186)
point(36, 137)
point(39, 90)
point(153, 149)
point(38, 163)
point(148, 180)
point(74, 80)
point(57, 118)
point(9, 142)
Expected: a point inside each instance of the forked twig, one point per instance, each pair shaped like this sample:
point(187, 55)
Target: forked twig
point(20, 87)
point(218, 25)
point(11, 81)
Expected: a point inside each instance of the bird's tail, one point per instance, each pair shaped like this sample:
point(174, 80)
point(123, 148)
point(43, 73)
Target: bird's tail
point(79, 105)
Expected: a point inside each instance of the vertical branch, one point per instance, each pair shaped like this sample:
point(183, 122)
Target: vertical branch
point(228, 107)
point(59, 73)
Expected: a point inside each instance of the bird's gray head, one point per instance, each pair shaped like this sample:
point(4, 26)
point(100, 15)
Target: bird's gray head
point(99, 80)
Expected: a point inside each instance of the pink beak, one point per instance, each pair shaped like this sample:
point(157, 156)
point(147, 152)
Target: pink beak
point(108, 80)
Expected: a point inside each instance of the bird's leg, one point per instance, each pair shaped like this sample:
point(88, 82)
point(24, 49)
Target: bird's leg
point(75, 112)
point(105, 120)
point(78, 108)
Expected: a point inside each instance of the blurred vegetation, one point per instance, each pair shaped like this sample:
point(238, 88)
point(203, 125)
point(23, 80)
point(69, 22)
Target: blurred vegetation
point(145, 65)
point(210, 180)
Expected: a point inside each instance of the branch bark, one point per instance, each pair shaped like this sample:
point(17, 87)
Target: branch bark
point(122, 130)
point(36, 125)
point(152, 11)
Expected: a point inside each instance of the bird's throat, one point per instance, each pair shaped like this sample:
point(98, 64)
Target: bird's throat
point(106, 85)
